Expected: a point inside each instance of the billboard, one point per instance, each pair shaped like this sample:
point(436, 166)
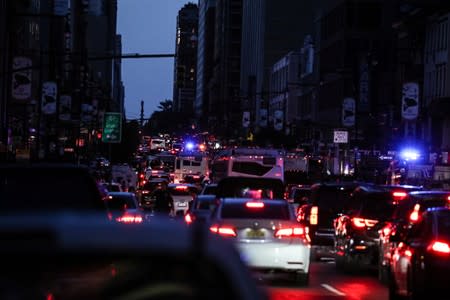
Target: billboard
point(21, 78)
point(65, 107)
point(348, 112)
point(48, 99)
point(278, 120)
point(410, 101)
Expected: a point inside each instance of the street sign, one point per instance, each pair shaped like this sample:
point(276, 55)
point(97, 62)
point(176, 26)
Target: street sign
point(340, 136)
point(112, 127)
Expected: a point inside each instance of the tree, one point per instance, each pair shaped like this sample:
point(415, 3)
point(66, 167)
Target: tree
point(165, 106)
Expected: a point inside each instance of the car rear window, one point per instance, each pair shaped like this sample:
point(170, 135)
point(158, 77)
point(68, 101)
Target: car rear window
point(332, 197)
point(118, 202)
point(377, 205)
point(269, 211)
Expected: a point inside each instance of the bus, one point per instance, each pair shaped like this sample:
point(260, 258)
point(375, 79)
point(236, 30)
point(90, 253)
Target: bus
point(248, 162)
point(191, 164)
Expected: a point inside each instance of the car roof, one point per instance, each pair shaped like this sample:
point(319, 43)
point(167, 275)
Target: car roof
point(429, 192)
point(245, 200)
point(86, 234)
point(121, 194)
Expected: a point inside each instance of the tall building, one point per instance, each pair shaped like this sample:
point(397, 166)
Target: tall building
point(355, 59)
point(270, 30)
point(4, 44)
point(185, 72)
point(205, 56)
point(224, 93)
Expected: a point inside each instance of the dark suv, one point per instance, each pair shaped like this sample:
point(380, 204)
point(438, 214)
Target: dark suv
point(326, 202)
point(356, 229)
point(406, 214)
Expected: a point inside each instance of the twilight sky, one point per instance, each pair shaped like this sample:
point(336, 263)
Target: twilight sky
point(147, 27)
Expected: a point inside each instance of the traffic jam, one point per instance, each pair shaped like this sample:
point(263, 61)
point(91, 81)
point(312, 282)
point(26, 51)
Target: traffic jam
point(301, 233)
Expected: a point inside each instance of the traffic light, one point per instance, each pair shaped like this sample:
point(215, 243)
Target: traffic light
point(99, 135)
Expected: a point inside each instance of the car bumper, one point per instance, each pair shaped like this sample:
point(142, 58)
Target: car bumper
point(286, 257)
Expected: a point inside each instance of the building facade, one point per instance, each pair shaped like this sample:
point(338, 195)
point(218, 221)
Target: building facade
point(185, 73)
point(205, 52)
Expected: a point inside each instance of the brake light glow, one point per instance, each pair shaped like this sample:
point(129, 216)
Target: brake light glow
point(188, 218)
point(129, 219)
point(181, 187)
point(254, 204)
point(361, 222)
point(440, 247)
point(290, 232)
point(314, 218)
point(399, 195)
point(225, 231)
point(414, 216)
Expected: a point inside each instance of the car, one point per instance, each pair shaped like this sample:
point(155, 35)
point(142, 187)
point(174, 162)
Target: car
point(327, 201)
point(201, 208)
point(49, 187)
point(356, 228)
point(420, 262)
point(123, 207)
point(182, 194)
point(267, 235)
point(151, 174)
point(209, 189)
point(404, 216)
point(82, 256)
point(113, 186)
point(144, 193)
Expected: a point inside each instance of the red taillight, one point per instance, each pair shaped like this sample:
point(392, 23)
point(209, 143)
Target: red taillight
point(440, 247)
point(225, 231)
point(254, 204)
point(129, 219)
point(188, 218)
point(361, 222)
point(290, 232)
point(313, 217)
point(387, 230)
point(414, 216)
point(181, 187)
point(399, 195)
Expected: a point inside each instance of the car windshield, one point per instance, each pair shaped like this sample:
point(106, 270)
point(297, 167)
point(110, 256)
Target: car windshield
point(377, 205)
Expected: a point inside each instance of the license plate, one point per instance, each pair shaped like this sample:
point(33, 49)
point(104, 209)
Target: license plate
point(255, 234)
point(182, 204)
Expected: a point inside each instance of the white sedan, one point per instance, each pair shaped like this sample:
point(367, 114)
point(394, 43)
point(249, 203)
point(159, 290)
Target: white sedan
point(267, 235)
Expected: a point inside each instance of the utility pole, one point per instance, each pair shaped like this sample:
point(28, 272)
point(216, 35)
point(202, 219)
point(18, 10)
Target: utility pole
point(142, 114)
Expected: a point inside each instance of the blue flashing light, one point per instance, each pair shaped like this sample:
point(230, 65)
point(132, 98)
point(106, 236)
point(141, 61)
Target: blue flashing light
point(410, 154)
point(189, 146)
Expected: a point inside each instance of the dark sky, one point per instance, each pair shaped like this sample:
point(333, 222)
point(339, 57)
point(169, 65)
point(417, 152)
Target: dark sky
point(147, 27)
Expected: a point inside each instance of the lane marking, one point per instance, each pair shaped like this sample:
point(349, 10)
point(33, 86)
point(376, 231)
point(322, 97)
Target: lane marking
point(332, 289)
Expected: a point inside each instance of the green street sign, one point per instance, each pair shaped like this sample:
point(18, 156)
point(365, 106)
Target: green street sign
point(112, 127)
